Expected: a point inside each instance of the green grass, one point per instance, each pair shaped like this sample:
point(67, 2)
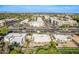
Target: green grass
point(3, 30)
point(69, 50)
point(50, 50)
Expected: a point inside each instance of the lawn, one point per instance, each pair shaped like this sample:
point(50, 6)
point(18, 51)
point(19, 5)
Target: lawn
point(3, 30)
point(67, 50)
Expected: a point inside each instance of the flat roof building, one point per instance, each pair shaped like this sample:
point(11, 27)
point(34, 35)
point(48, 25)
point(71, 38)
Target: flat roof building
point(37, 23)
point(15, 37)
point(40, 40)
point(62, 21)
point(2, 23)
point(24, 21)
point(62, 38)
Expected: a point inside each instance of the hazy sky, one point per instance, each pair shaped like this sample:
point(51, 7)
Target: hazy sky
point(40, 8)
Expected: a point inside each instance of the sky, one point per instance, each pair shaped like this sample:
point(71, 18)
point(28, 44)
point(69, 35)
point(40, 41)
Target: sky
point(40, 8)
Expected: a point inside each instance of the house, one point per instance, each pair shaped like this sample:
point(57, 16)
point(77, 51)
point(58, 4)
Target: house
point(16, 37)
point(40, 40)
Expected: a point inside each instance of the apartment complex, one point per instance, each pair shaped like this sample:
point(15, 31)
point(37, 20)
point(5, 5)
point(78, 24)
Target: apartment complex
point(61, 21)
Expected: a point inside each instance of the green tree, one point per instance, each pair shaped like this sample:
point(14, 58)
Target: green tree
point(15, 49)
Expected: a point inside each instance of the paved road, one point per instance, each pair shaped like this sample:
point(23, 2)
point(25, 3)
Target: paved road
point(51, 30)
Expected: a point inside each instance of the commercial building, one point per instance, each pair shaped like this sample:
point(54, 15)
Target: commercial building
point(11, 21)
point(2, 23)
point(15, 37)
point(65, 40)
point(61, 37)
point(37, 23)
point(24, 21)
point(40, 40)
point(61, 21)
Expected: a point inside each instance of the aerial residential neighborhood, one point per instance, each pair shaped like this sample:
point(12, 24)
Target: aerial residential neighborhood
point(39, 33)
